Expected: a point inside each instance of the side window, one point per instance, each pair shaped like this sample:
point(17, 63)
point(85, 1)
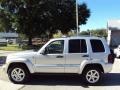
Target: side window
point(77, 46)
point(56, 47)
point(97, 45)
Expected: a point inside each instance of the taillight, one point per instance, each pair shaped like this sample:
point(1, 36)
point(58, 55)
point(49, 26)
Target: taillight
point(111, 58)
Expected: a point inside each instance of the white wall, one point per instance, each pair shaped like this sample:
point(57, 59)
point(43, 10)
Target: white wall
point(113, 37)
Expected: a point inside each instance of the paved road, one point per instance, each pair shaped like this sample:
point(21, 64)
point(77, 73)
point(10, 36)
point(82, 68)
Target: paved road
point(110, 81)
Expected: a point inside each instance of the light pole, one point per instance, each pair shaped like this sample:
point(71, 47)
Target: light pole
point(77, 33)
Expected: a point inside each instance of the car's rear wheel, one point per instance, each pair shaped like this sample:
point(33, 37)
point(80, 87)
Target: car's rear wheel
point(18, 74)
point(92, 75)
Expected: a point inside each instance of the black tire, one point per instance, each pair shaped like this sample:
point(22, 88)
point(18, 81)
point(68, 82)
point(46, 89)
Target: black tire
point(95, 78)
point(24, 71)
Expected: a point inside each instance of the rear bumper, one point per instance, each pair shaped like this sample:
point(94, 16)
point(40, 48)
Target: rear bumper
point(107, 67)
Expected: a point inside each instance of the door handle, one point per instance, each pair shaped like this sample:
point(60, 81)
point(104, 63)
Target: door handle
point(59, 56)
point(85, 56)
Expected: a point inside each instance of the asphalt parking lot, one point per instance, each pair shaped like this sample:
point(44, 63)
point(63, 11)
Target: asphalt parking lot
point(109, 81)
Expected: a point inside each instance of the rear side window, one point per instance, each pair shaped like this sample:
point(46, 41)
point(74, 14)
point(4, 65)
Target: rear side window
point(77, 46)
point(97, 45)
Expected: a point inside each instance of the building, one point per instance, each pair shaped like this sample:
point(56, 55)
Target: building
point(9, 36)
point(113, 38)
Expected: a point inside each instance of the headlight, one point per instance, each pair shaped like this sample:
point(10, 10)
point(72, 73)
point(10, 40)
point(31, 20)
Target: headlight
point(2, 60)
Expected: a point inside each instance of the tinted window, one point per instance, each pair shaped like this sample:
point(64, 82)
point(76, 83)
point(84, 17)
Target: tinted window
point(77, 46)
point(97, 46)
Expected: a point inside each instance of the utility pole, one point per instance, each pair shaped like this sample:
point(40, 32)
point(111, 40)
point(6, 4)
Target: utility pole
point(77, 33)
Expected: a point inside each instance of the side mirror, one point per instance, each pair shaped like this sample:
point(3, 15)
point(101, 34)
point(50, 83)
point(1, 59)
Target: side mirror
point(45, 51)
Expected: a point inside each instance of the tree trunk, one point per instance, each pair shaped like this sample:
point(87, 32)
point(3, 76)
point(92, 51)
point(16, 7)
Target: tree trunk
point(50, 36)
point(30, 40)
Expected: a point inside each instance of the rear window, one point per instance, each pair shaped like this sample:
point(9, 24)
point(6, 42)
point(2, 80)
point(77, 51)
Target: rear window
point(77, 46)
point(97, 45)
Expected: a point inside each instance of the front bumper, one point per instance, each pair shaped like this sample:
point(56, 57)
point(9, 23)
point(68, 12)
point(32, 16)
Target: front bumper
point(117, 53)
point(4, 68)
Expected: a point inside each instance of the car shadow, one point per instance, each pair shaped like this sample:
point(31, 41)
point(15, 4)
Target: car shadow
point(111, 79)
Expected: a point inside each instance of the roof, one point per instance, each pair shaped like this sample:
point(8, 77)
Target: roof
point(114, 24)
point(78, 37)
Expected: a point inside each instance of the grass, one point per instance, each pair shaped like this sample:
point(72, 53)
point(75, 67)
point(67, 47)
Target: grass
point(12, 47)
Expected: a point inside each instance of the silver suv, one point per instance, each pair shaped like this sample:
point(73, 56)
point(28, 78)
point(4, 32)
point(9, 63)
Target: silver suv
point(89, 56)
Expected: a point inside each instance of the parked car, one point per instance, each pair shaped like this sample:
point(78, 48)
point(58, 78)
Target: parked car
point(88, 56)
point(117, 51)
point(2, 60)
point(3, 42)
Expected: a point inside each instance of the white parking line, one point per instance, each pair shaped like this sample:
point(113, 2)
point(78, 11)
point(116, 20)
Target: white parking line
point(4, 85)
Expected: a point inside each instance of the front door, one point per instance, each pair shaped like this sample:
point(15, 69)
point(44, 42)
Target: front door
point(53, 59)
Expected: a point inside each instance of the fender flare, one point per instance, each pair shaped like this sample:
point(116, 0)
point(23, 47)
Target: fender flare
point(28, 63)
point(83, 64)
point(86, 62)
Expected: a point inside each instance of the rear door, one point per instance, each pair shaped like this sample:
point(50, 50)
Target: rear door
point(77, 52)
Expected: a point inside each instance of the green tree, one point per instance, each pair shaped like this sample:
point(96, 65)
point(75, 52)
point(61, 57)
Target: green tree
point(45, 17)
point(99, 32)
point(5, 21)
point(85, 33)
point(96, 32)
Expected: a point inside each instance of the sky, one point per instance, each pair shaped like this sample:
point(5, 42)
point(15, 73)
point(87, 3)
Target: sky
point(101, 12)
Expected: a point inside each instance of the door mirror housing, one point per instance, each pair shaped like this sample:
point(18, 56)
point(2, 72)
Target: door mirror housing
point(45, 52)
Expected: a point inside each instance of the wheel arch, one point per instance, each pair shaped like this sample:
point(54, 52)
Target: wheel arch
point(93, 65)
point(27, 65)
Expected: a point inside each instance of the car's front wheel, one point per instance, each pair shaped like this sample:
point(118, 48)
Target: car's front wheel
point(18, 74)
